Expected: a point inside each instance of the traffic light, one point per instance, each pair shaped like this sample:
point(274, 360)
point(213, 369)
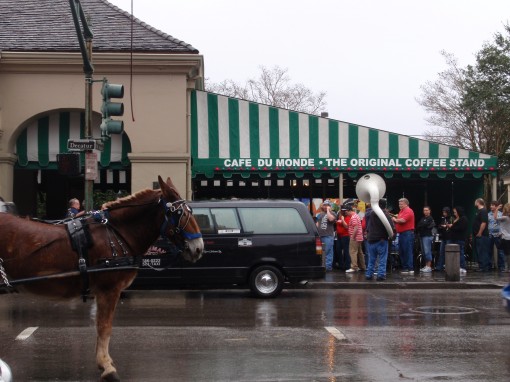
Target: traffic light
point(69, 164)
point(109, 108)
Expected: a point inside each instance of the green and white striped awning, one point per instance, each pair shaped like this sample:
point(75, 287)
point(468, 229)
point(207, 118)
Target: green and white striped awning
point(236, 136)
point(38, 145)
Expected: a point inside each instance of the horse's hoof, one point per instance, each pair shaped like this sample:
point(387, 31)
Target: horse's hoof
point(110, 377)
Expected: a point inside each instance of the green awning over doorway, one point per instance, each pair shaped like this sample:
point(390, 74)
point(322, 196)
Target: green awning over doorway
point(235, 136)
point(43, 138)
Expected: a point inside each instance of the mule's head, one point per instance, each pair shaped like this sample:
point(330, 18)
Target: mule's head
point(180, 226)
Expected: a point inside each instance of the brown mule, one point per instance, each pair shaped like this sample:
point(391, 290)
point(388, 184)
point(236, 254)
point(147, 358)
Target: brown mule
point(119, 234)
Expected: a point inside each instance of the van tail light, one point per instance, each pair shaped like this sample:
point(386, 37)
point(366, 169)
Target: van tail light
point(318, 246)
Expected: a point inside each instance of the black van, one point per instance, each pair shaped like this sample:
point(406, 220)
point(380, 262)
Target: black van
point(260, 244)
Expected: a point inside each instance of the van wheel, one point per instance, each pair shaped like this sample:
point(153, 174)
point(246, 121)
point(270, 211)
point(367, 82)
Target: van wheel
point(266, 281)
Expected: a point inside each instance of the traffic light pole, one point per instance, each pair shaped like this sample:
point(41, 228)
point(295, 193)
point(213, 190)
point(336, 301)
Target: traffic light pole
point(108, 109)
point(88, 69)
point(89, 183)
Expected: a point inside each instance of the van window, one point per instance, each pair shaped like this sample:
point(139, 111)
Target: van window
point(274, 220)
point(226, 220)
point(204, 220)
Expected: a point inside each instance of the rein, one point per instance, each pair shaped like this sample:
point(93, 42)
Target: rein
point(177, 213)
point(174, 215)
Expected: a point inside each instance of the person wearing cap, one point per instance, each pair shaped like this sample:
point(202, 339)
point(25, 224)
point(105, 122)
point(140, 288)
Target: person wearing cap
point(342, 242)
point(326, 220)
point(444, 235)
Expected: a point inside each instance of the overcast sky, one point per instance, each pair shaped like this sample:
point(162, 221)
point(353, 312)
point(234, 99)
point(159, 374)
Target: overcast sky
point(369, 56)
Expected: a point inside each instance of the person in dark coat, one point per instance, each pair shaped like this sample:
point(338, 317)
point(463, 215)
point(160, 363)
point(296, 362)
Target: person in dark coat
point(458, 233)
point(481, 236)
point(444, 235)
point(377, 244)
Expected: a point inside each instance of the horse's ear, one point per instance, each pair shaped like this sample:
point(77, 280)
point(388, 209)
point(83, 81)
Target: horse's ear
point(168, 189)
point(160, 181)
point(170, 183)
point(165, 189)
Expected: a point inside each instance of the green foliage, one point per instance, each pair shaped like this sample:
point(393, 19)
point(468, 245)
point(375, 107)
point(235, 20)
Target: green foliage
point(470, 107)
point(487, 94)
point(101, 197)
point(41, 205)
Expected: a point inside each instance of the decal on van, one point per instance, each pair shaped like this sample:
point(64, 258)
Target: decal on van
point(244, 242)
point(229, 231)
point(151, 262)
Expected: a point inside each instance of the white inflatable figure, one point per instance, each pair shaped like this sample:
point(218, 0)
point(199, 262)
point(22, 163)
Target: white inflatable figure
point(5, 372)
point(370, 188)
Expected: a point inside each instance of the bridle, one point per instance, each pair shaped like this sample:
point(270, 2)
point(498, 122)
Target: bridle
point(178, 214)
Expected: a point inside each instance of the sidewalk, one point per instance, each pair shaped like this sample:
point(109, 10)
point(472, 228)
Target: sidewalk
point(435, 280)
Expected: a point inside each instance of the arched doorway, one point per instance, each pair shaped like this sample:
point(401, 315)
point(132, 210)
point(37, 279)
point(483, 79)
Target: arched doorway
point(39, 189)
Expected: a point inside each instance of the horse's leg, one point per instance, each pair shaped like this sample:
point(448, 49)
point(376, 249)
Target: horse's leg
point(106, 302)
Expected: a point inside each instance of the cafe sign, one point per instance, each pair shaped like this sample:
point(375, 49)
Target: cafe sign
point(331, 163)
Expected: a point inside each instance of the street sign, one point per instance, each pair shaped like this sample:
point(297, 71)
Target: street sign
point(84, 145)
point(91, 166)
point(99, 145)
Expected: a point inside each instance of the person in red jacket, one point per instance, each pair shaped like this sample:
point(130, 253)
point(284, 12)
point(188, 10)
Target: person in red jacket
point(342, 241)
point(404, 223)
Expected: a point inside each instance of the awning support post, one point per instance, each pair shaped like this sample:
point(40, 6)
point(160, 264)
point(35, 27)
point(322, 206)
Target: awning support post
point(494, 187)
point(341, 187)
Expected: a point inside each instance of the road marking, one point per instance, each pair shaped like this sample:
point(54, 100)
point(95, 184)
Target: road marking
point(26, 333)
point(336, 333)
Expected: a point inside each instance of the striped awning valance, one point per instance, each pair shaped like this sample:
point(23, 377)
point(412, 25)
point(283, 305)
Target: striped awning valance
point(39, 143)
point(236, 136)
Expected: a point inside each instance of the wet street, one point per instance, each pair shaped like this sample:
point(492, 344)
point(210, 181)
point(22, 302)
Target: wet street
point(303, 335)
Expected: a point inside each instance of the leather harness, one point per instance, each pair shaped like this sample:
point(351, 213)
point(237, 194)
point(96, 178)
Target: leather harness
point(81, 241)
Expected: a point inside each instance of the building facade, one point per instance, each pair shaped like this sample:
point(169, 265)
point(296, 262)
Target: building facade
point(212, 146)
point(42, 100)
point(245, 149)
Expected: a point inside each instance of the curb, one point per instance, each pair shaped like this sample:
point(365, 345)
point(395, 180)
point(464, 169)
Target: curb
point(396, 285)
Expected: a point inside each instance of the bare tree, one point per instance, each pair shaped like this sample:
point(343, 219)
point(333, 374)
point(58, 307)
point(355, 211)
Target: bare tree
point(273, 87)
point(443, 100)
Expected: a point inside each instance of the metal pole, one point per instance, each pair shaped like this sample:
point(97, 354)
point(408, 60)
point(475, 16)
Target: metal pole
point(341, 187)
point(89, 184)
point(88, 69)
